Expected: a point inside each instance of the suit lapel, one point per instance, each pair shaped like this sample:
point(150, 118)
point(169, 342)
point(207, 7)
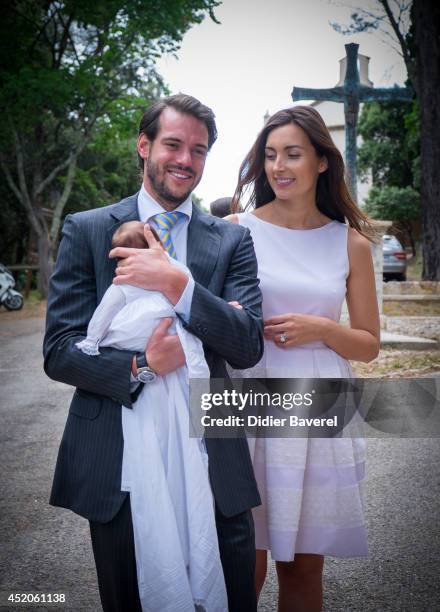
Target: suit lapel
point(202, 247)
point(125, 210)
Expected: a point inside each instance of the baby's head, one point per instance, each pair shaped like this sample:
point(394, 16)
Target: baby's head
point(131, 234)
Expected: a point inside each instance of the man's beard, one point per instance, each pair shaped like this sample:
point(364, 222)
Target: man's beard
point(160, 187)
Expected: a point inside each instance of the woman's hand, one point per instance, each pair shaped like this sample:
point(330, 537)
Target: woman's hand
point(296, 329)
point(359, 342)
point(236, 305)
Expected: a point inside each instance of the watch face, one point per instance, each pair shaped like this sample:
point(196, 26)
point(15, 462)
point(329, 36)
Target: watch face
point(146, 375)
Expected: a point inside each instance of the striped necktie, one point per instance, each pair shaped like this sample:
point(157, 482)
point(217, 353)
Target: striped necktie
point(164, 224)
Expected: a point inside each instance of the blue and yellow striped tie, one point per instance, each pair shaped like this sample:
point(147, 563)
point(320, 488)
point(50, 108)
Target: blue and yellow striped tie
point(164, 224)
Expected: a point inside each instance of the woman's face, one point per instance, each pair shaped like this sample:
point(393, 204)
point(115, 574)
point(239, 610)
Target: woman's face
point(291, 163)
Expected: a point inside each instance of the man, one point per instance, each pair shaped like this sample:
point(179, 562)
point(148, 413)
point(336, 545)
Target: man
point(175, 137)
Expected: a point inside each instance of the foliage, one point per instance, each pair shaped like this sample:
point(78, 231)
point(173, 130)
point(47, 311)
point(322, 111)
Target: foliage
point(72, 59)
point(412, 141)
point(75, 74)
point(105, 175)
point(390, 131)
point(390, 143)
point(199, 202)
point(392, 20)
point(415, 26)
point(13, 228)
point(391, 151)
point(393, 203)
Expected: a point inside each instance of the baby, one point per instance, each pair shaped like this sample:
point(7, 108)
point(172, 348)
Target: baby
point(131, 234)
point(127, 315)
point(163, 468)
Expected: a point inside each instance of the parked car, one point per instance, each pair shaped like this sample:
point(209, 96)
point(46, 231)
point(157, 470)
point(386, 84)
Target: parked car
point(394, 259)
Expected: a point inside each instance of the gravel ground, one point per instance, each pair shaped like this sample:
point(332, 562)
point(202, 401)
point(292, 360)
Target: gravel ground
point(47, 550)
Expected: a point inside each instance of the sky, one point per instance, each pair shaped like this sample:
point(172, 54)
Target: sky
point(249, 64)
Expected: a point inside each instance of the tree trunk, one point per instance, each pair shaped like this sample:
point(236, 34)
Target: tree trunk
point(407, 229)
point(426, 16)
point(45, 262)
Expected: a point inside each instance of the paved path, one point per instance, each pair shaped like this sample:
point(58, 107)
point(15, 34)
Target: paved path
point(47, 550)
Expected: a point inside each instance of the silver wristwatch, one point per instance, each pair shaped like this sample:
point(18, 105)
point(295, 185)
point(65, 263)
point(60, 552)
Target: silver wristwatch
point(144, 373)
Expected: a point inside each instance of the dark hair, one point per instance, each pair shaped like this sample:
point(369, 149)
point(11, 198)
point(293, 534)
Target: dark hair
point(221, 207)
point(333, 198)
point(187, 105)
point(131, 234)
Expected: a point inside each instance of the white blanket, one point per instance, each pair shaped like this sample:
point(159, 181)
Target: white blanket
point(164, 469)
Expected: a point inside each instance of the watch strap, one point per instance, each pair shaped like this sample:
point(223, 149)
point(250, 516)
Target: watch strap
point(141, 361)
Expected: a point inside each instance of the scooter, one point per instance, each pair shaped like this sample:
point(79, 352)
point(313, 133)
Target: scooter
point(9, 298)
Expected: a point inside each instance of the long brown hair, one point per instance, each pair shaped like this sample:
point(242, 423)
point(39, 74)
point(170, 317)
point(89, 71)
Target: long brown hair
point(333, 198)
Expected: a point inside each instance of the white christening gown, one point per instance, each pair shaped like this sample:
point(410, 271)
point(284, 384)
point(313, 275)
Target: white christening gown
point(311, 489)
point(163, 468)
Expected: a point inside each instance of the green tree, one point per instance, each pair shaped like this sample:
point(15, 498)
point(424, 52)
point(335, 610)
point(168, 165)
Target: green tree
point(199, 202)
point(70, 70)
point(390, 150)
point(415, 26)
point(388, 147)
point(400, 204)
point(14, 228)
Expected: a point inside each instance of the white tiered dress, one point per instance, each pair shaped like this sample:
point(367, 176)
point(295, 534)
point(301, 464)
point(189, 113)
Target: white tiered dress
point(311, 489)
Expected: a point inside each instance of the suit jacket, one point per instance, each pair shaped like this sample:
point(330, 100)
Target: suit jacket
point(222, 260)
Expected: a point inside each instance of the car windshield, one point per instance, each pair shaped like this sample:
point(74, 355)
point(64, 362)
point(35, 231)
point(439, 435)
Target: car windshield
point(391, 242)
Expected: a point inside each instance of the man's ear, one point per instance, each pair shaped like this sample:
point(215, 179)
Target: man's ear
point(323, 164)
point(143, 146)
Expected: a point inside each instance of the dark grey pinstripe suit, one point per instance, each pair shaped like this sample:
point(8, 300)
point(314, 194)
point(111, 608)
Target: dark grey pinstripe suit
point(222, 260)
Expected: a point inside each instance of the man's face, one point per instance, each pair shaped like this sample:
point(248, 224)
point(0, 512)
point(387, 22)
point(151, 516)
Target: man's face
point(174, 161)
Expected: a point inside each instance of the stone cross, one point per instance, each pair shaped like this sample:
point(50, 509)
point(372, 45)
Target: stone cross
point(351, 92)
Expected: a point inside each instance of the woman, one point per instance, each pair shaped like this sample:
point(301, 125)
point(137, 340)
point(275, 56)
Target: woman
point(313, 251)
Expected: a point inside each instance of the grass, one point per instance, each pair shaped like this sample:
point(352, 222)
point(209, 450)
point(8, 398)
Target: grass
point(393, 363)
point(415, 266)
point(34, 297)
point(408, 308)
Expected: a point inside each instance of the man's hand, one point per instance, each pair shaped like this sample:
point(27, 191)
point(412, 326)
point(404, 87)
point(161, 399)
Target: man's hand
point(164, 352)
point(149, 269)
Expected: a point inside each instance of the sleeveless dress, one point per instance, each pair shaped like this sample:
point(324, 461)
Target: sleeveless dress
point(311, 489)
